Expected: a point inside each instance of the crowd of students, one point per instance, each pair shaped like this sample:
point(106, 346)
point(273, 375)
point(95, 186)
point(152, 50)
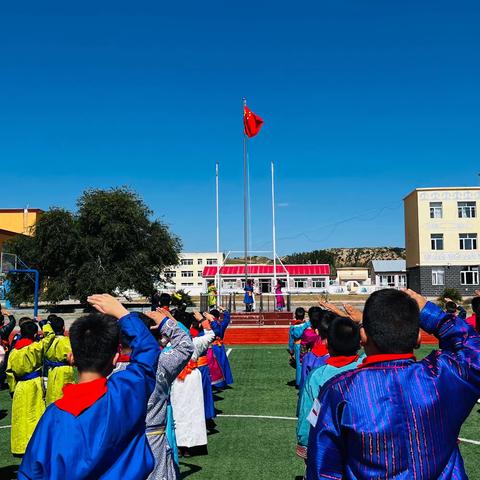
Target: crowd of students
point(366, 407)
point(124, 395)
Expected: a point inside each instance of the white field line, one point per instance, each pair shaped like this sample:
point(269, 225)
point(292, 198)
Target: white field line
point(258, 416)
point(229, 351)
point(270, 417)
point(466, 440)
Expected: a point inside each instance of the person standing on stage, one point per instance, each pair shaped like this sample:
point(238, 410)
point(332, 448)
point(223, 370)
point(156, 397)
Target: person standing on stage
point(248, 297)
point(280, 301)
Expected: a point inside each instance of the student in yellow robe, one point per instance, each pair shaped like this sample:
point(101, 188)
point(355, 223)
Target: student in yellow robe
point(25, 382)
point(59, 371)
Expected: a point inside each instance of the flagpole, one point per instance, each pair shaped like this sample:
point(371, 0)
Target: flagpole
point(274, 236)
point(218, 232)
point(245, 201)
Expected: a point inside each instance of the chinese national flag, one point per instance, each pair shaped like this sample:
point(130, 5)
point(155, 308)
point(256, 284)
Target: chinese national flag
point(251, 123)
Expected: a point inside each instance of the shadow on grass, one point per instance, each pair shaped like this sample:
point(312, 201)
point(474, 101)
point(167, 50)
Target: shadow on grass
point(9, 473)
point(192, 469)
point(3, 413)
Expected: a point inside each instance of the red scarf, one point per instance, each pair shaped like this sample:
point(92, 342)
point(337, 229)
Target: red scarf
point(23, 342)
point(78, 397)
point(194, 332)
point(319, 349)
point(386, 357)
point(341, 360)
point(123, 358)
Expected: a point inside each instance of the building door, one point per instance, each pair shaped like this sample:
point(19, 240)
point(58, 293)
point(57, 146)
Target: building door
point(265, 285)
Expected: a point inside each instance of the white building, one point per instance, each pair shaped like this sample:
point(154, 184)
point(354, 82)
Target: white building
point(389, 273)
point(187, 275)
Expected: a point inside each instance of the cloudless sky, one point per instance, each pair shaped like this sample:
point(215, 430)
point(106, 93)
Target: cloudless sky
point(362, 102)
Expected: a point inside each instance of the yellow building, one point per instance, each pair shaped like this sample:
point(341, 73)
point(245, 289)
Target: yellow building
point(15, 221)
point(442, 230)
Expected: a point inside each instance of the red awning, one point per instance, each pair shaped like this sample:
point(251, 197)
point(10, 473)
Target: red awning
point(257, 270)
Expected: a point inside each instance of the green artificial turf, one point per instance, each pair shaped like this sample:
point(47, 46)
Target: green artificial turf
point(253, 448)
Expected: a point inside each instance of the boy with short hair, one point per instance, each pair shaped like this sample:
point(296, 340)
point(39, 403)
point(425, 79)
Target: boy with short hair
point(343, 343)
point(298, 326)
point(392, 417)
point(97, 429)
point(60, 372)
point(25, 382)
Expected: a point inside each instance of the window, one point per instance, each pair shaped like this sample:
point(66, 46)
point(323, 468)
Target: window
point(436, 210)
point(318, 282)
point(186, 261)
point(211, 261)
point(200, 261)
point(436, 241)
point(468, 241)
point(199, 284)
point(438, 276)
point(469, 276)
point(230, 284)
point(402, 280)
point(200, 273)
point(300, 282)
point(187, 273)
point(186, 284)
point(170, 274)
point(467, 210)
point(387, 280)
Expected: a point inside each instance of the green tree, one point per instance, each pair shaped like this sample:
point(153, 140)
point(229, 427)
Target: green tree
point(110, 245)
point(314, 257)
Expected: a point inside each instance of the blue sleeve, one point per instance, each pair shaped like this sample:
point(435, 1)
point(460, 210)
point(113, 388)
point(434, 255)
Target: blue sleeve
point(306, 400)
point(216, 329)
point(225, 323)
point(325, 457)
point(132, 387)
point(298, 330)
point(462, 313)
point(458, 342)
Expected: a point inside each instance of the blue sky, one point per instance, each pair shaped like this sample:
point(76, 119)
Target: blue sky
point(362, 102)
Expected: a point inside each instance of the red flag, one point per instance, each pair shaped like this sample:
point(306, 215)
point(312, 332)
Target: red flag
point(251, 123)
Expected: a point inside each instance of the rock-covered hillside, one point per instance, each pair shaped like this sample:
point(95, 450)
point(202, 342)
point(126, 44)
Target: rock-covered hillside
point(360, 257)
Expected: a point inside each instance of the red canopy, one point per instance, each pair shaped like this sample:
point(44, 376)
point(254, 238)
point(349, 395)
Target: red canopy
point(293, 270)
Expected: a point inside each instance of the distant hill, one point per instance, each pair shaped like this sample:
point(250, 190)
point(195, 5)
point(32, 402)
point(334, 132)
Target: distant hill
point(346, 257)
point(361, 257)
point(335, 257)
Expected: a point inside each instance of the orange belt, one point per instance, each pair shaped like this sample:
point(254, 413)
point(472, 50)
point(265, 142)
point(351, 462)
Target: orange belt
point(202, 361)
point(218, 342)
point(191, 366)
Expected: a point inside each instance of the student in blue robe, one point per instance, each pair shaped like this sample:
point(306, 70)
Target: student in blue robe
point(219, 326)
point(394, 417)
point(317, 356)
point(343, 342)
point(299, 325)
point(97, 429)
point(248, 298)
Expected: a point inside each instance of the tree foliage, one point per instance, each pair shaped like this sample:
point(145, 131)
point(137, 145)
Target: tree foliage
point(109, 245)
point(314, 257)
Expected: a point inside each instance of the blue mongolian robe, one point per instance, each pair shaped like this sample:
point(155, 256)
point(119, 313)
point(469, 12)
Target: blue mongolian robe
point(97, 430)
point(294, 339)
point(396, 418)
point(219, 327)
point(318, 377)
